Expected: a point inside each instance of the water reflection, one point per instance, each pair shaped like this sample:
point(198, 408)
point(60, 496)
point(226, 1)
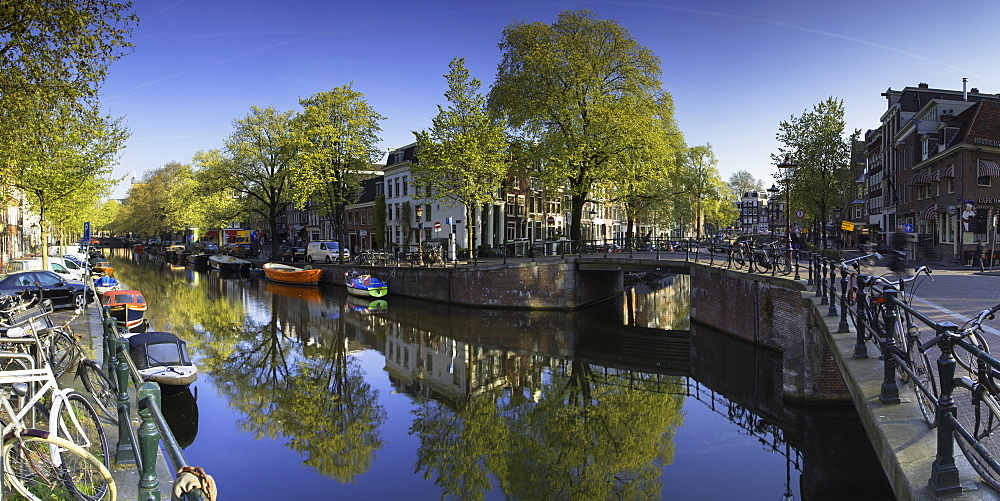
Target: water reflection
point(500, 403)
point(180, 410)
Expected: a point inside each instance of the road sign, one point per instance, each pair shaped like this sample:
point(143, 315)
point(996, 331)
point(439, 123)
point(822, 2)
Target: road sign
point(551, 220)
point(800, 213)
point(437, 225)
point(86, 233)
point(448, 220)
point(908, 228)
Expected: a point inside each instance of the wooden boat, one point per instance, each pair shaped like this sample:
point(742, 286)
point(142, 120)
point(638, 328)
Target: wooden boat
point(128, 308)
point(102, 268)
point(365, 285)
point(162, 357)
point(288, 274)
point(222, 262)
point(199, 261)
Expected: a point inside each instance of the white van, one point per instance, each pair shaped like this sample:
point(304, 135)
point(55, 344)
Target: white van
point(327, 252)
point(56, 264)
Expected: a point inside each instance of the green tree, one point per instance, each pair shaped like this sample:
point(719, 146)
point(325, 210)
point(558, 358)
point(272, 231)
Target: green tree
point(818, 143)
point(463, 156)
point(256, 164)
point(742, 181)
point(378, 226)
point(585, 92)
point(157, 205)
point(218, 205)
point(337, 137)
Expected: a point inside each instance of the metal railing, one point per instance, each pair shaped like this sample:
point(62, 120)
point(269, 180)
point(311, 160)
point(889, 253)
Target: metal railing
point(139, 446)
point(881, 328)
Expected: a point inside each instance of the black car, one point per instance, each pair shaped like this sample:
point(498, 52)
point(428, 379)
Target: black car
point(292, 254)
point(65, 293)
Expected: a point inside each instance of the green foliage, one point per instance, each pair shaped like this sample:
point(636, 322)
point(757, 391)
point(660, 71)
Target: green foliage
point(816, 140)
point(584, 94)
point(379, 225)
point(742, 181)
point(463, 156)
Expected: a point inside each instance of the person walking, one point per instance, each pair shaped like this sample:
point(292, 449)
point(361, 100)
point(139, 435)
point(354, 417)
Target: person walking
point(897, 258)
point(978, 259)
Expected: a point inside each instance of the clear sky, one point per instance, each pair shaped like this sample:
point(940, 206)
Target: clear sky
point(735, 68)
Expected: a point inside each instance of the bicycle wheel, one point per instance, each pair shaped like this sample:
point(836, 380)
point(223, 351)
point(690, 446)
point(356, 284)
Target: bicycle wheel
point(781, 264)
point(922, 368)
point(80, 424)
point(982, 421)
point(41, 466)
point(63, 351)
point(101, 388)
point(738, 259)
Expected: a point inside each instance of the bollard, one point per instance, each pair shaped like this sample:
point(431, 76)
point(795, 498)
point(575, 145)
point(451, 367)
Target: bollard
point(811, 273)
point(821, 289)
point(844, 326)
point(860, 348)
point(110, 326)
point(149, 442)
point(124, 453)
point(890, 392)
point(944, 472)
point(832, 290)
point(796, 254)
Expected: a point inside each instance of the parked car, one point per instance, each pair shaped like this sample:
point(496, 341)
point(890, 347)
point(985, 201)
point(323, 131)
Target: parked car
point(291, 254)
point(326, 252)
point(66, 293)
point(207, 247)
point(67, 270)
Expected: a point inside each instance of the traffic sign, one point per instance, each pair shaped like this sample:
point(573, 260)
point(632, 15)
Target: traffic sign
point(437, 225)
point(86, 233)
point(800, 213)
point(551, 220)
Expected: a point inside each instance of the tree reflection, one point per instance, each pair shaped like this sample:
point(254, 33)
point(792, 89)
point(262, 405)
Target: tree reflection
point(291, 375)
point(580, 435)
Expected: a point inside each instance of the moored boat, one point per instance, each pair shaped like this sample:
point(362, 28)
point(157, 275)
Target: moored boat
point(222, 262)
point(105, 284)
point(365, 285)
point(288, 274)
point(162, 357)
point(198, 260)
point(127, 307)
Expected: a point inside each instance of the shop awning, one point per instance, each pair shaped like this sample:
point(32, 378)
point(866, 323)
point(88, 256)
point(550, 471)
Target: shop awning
point(949, 171)
point(989, 168)
point(930, 213)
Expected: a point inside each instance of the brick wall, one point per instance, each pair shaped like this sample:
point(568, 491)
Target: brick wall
point(772, 312)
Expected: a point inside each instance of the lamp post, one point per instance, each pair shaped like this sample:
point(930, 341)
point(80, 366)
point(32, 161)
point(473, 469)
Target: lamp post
point(420, 229)
point(787, 168)
point(837, 215)
point(772, 198)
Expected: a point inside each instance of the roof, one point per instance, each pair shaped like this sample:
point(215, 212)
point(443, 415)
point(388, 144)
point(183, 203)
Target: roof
point(153, 337)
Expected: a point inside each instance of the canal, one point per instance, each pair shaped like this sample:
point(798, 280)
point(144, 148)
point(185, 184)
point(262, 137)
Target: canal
point(307, 393)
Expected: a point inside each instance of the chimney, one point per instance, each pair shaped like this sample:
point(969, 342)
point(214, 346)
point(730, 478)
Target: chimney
point(923, 85)
point(965, 93)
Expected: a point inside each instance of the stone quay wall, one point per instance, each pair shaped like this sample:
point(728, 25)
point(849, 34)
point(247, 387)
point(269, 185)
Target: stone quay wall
point(773, 312)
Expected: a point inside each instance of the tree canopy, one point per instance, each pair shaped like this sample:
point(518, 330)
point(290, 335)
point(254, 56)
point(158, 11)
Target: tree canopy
point(585, 93)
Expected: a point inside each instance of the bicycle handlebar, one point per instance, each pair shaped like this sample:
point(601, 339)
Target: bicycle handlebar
point(894, 283)
point(966, 330)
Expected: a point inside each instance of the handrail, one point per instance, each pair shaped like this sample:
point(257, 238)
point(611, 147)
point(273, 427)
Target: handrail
point(152, 429)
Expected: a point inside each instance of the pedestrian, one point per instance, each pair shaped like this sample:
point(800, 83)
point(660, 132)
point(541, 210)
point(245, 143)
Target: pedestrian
point(979, 256)
point(897, 257)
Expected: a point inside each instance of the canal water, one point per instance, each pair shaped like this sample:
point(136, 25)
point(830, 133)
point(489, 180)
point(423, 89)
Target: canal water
point(308, 393)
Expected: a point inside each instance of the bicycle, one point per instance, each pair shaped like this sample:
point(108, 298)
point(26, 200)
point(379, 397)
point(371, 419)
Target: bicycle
point(69, 460)
point(981, 445)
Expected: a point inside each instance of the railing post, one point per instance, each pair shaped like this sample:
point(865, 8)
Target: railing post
point(844, 326)
point(124, 453)
point(890, 392)
point(149, 441)
point(110, 326)
point(944, 471)
point(861, 312)
point(821, 290)
point(832, 312)
point(811, 272)
point(796, 254)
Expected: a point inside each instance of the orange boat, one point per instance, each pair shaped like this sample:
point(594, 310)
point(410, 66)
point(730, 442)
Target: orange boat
point(287, 274)
point(103, 268)
point(127, 307)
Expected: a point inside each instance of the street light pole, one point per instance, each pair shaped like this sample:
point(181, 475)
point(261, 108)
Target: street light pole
point(772, 197)
point(420, 230)
point(787, 168)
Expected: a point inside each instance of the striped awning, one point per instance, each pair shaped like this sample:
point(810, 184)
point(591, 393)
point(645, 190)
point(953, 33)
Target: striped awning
point(936, 176)
point(949, 171)
point(989, 168)
point(930, 213)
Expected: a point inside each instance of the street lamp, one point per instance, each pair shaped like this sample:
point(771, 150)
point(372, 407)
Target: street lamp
point(787, 168)
point(836, 225)
point(772, 198)
point(420, 229)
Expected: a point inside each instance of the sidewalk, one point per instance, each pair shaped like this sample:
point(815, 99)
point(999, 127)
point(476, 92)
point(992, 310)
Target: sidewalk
point(126, 476)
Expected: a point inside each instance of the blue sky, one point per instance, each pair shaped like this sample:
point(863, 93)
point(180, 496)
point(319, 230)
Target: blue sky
point(734, 68)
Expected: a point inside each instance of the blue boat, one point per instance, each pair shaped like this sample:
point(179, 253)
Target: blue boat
point(365, 285)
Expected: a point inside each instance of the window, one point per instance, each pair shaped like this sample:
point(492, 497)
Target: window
point(406, 186)
point(950, 184)
point(983, 181)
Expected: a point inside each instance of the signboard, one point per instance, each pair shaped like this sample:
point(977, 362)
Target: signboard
point(437, 225)
point(800, 213)
point(86, 233)
point(551, 220)
point(363, 233)
point(952, 209)
point(908, 228)
point(448, 220)
point(847, 226)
